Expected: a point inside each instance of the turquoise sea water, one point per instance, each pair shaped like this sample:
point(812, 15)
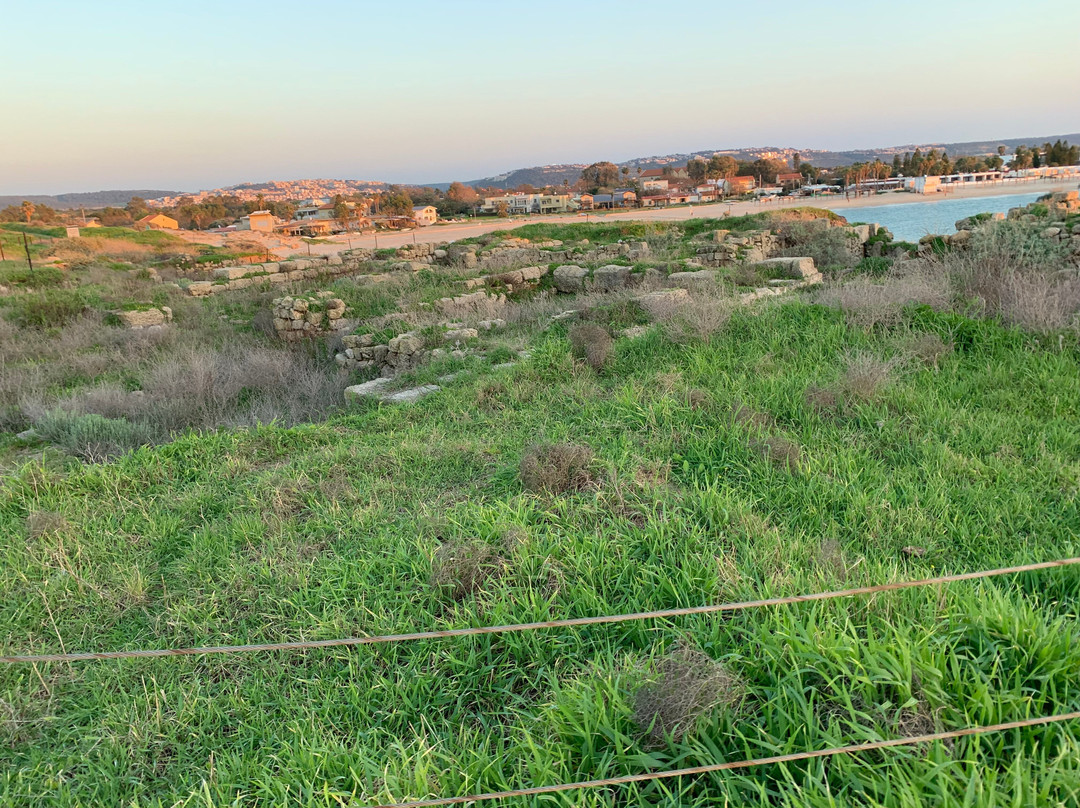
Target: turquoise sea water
point(911, 221)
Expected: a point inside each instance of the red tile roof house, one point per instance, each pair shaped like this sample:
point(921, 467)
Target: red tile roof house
point(791, 180)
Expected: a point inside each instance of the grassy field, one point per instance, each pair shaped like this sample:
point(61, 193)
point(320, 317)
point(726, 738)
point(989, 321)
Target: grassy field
point(792, 452)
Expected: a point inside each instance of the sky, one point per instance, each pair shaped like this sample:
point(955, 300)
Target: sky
point(194, 95)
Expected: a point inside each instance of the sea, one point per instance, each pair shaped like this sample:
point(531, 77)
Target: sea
point(911, 221)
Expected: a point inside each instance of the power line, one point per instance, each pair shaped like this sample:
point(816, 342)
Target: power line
point(738, 764)
point(505, 629)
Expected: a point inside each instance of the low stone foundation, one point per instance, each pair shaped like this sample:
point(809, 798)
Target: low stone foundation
point(297, 318)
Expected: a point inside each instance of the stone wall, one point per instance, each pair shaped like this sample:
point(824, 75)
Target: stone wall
point(241, 277)
point(297, 318)
point(728, 249)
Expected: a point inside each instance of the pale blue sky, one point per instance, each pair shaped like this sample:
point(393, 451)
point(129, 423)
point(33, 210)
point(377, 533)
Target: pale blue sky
point(189, 95)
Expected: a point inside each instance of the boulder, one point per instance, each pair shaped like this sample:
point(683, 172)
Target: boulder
point(405, 344)
point(411, 395)
point(703, 278)
point(657, 304)
point(460, 334)
point(372, 389)
point(570, 279)
point(144, 319)
point(611, 278)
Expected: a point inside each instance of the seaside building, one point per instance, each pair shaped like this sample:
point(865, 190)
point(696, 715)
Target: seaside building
point(424, 215)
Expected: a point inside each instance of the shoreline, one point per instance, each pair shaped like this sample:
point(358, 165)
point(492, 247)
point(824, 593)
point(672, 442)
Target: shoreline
point(717, 210)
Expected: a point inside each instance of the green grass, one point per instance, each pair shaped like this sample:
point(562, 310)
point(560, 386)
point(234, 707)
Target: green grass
point(34, 230)
point(329, 530)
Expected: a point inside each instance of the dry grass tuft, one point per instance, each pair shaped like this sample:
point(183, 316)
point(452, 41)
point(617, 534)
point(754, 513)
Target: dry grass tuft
point(866, 375)
point(698, 399)
point(928, 347)
point(779, 451)
point(593, 343)
point(868, 302)
point(829, 558)
point(746, 275)
point(462, 566)
point(45, 523)
point(556, 468)
point(822, 400)
point(750, 418)
point(683, 686)
point(704, 315)
point(491, 395)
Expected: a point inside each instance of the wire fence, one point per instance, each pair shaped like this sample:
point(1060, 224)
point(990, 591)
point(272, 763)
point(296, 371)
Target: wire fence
point(518, 627)
point(738, 764)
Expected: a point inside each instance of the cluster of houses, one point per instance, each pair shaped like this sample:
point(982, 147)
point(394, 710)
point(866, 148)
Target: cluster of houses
point(320, 218)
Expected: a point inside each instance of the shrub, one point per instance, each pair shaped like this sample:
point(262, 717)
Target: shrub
point(865, 375)
point(701, 317)
point(746, 275)
point(93, 437)
point(556, 468)
point(868, 302)
point(828, 246)
point(592, 343)
point(682, 687)
point(39, 278)
point(53, 307)
point(461, 567)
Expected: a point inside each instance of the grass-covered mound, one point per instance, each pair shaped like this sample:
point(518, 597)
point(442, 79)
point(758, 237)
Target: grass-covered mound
point(793, 452)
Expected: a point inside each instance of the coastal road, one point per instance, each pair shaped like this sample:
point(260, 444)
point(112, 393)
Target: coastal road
point(459, 230)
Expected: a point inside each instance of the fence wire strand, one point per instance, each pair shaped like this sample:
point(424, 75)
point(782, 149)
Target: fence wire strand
point(738, 764)
point(86, 656)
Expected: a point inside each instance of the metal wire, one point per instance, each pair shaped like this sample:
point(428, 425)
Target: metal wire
point(566, 623)
point(738, 764)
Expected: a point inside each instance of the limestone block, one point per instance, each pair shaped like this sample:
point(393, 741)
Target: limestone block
point(570, 279)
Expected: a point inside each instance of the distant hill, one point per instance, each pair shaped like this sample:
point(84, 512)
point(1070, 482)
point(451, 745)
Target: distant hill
point(91, 199)
point(555, 174)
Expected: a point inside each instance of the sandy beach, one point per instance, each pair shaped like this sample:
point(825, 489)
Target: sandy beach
point(454, 231)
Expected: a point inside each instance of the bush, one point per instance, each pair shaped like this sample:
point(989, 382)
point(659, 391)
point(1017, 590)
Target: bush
point(592, 343)
point(556, 468)
point(51, 308)
point(40, 278)
point(704, 315)
point(93, 437)
point(683, 686)
point(868, 302)
point(828, 246)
